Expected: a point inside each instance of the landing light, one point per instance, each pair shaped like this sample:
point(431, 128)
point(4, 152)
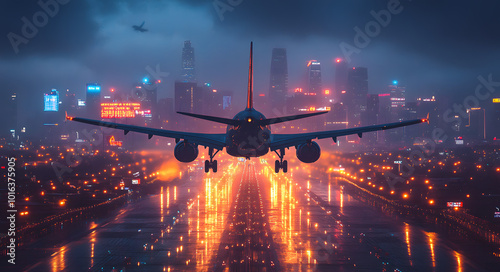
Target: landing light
point(249, 120)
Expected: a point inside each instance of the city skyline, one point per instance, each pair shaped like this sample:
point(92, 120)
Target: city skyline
point(107, 50)
point(353, 94)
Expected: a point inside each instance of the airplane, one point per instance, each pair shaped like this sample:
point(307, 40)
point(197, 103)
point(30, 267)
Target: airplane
point(248, 134)
point(140, 28)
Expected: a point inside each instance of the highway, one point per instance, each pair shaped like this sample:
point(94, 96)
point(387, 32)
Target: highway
point(247, 218)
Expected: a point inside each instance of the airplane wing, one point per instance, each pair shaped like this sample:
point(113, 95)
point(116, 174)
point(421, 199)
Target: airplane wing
point(287, 140)
point(216, 141)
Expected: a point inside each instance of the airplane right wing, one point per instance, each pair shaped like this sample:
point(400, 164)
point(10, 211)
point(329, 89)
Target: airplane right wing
point(280, 141)
point(216, 141)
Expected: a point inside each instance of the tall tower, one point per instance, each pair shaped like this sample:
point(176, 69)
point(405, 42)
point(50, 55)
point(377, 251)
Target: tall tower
point(340, 79)
point(93, 100)
point(188, 71)
point(356, 93)
point(398, 100)
point(147, 93)
point(398, 105)
point(314, 76)
point(278, 83)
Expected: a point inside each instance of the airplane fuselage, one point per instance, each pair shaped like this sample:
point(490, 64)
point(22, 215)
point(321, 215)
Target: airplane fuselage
point(249, 139)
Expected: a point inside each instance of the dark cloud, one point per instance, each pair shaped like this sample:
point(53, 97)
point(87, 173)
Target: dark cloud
point(68, 30)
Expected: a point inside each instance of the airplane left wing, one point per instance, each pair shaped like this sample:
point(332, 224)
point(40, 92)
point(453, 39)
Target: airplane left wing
point(216, 141)
point(279, 141)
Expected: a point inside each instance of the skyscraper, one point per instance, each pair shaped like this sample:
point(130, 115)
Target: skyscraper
point(494, 123)
point(93, 100)
point(187, 97)
point(314, 76)
point(146, 93)
point(340, 79)
point(278, 83)
point(357, 90)
point(10, 127)
point(398, 100)
point(51, 116)
point(188, 73)
point(68, 102)
point(398, 110)
point(476, 128)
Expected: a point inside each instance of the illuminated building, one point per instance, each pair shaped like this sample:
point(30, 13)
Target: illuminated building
point(398, 103)
point(278, 83)
point(146, 93)
point(68, 102)
point(188, 97)
point(493, 120)
point(188, 70)
point(166, 112)
point(398, 100)
point(357, 89)
point(340, 79)
point(337, 118)
point(476, 128)
point(10, 128)
point(93, 100)
point(429, 105)
point(51, 115)
point(314, 76)
point(51, 101)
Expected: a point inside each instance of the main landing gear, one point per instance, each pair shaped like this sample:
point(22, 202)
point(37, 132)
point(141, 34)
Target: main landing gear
point(280, 164)
point(212, 163)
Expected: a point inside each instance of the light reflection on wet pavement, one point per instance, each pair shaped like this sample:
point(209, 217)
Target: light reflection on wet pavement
point(182, 227)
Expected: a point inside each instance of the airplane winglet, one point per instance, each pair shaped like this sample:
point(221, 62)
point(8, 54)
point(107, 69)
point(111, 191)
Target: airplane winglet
point(68, 117)
point(426, 120)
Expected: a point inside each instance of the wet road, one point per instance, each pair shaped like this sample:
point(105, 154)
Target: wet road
point(247, 218)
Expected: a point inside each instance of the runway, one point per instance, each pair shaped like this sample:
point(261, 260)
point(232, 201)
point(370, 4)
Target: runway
point(247, 218)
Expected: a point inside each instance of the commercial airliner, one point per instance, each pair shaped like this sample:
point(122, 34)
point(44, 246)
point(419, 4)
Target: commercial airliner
point(139, 28)
point(248, 134)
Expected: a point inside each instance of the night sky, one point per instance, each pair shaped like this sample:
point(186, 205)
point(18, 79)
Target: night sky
point(432, 47)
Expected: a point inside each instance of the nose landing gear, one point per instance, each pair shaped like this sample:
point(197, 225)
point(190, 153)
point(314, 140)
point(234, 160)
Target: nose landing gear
point(280, 164)
point(212, 164)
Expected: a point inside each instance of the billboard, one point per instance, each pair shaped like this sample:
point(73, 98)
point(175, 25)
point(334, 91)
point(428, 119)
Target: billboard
point(93, 88)
point(455, 204)
point(119, 110)
point(113, 142)
point(51, 102)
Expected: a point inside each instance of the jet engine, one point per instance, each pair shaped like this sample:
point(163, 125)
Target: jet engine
point(308, 152)
point(185, 152)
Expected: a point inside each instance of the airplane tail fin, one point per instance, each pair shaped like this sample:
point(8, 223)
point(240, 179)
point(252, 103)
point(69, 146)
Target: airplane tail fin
point(250, 80)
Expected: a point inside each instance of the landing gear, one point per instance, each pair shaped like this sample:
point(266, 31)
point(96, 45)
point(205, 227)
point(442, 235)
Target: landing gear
point(280, 164)
point(211, 163)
